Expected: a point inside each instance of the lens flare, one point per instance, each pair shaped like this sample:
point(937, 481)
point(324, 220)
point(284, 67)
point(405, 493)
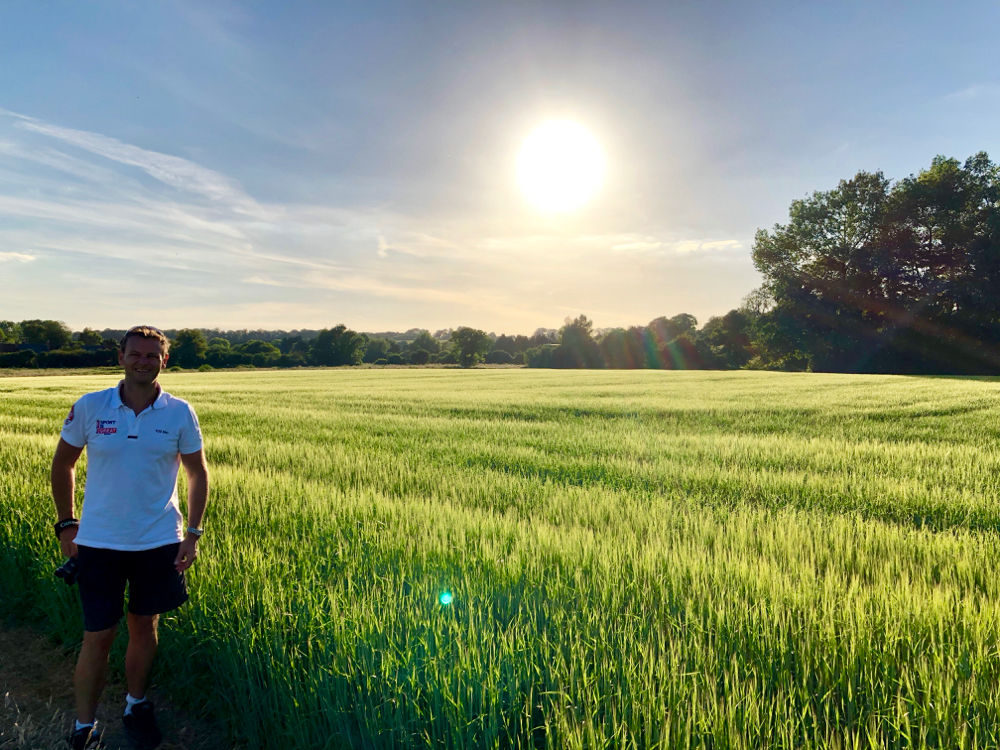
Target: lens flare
point(446, 598)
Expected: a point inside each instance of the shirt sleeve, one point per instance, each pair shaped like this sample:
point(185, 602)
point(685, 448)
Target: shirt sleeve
point(190, 439)
point(74, 429)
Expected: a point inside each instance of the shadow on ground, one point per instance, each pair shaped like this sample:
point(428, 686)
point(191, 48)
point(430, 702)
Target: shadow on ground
point(36, 701)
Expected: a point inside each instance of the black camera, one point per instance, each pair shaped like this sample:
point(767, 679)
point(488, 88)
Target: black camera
point(68, 571)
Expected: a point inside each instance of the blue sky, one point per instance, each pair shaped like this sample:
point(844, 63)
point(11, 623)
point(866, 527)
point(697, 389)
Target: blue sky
point(293, 165)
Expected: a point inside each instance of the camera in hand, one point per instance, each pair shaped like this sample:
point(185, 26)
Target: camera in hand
point(68, 571)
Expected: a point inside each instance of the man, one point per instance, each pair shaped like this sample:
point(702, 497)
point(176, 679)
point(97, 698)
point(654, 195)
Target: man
point(130, 529)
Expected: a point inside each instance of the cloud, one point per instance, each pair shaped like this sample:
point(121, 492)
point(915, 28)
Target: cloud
point(264, 281)
point(654, 246)
point(10, 257)
point(170, 170)
point(641, 246)
point(718, 245)
point(975, 92)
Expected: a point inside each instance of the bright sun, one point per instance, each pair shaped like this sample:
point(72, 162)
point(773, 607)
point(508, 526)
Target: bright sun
point(560, 167)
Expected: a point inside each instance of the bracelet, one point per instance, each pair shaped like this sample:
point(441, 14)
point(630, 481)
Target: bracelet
point(65, 524)
point(195, 532)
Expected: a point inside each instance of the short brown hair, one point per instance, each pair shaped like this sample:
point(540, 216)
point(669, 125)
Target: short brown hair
point(146, 332)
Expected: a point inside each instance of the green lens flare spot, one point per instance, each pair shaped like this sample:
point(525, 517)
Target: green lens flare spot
point(446, 598)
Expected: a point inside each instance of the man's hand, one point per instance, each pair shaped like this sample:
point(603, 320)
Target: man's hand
point(67, 541)
point(186, 553)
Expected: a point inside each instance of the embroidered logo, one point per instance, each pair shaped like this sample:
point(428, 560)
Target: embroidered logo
point(69, 419)
point(106, 426)
point(161, 432)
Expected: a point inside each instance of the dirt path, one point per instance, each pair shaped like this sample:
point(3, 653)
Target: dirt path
point(36, 701)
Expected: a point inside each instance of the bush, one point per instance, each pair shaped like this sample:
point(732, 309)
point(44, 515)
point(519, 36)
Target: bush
point(175, 368)
point(206, 368)
point(396, 359)
point(540, 356)
point(381, 361)
point(498, 357)
point(420, 357)
point(76, 358)
point(22, 358)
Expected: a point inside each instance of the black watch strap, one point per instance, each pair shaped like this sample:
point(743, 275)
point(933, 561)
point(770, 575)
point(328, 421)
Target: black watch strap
point(65, 524)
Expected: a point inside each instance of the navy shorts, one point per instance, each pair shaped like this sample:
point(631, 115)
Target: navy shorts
point(154, 585)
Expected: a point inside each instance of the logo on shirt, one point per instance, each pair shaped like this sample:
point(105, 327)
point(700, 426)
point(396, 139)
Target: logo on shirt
point(69, 419)
point(161, 432)
point(107, 426)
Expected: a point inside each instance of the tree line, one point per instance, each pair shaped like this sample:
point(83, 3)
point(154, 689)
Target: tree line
point(666, 343)
point(871, 276)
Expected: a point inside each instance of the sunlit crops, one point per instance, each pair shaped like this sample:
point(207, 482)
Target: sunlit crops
point(636, 559)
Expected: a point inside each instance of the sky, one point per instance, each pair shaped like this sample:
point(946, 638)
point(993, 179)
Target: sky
point(304, 164)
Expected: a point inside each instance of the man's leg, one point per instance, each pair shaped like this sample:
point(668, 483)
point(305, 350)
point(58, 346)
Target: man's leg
point(91, 671)
point(142, 641)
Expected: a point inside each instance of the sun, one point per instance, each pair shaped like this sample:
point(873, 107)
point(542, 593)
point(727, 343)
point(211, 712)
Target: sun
point(560, 167)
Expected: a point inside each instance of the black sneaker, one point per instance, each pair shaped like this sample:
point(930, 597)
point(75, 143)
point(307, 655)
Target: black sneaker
point(140, 726)
point(88, 738)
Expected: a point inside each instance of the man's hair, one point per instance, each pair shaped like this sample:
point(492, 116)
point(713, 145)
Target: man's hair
point(146, 332)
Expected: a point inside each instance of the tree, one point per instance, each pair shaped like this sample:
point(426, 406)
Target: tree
point(260, 353)
point(220, 354)
point(667, 329)
point(577, 347)
point(375, 349)
point(188, 347)
point(337, 346)
point(728, 339)
point(872, 276)
point(469, 345)
point(425, 341)
point(45, 334)
point(10, 332)
point(89, 337)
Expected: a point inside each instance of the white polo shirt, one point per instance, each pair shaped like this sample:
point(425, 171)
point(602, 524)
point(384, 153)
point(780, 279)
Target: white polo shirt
point(130, 501)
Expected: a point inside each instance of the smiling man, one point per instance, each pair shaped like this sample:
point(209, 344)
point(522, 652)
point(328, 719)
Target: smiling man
point(131, 533)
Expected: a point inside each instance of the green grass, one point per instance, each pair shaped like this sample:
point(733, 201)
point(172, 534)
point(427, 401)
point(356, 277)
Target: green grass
point(638, 559)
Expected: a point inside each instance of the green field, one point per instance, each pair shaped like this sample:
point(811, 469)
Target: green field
point(638, 559)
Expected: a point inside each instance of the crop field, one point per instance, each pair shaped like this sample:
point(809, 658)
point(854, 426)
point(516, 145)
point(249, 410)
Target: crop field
point(635, 559)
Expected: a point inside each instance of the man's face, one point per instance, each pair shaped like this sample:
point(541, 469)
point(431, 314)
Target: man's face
point(142, 359)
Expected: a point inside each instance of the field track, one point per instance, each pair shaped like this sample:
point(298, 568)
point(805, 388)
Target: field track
point(637, 559)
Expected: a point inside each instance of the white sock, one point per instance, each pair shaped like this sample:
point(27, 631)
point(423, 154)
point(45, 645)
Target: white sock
point(130, 701)
point(80, 725)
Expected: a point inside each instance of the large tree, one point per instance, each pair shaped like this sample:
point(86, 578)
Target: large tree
point(337, 346)
point(577, 347)
point(48, 334)
point(188, 348)
point(470, 345)
point(875, 276)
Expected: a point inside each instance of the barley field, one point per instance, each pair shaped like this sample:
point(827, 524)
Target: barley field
point(634, 559)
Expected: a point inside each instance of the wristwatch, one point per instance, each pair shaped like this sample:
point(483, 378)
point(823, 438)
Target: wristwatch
point(195, 532)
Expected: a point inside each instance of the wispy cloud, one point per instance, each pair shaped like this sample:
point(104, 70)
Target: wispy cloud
point(8, 257)
point(263, 281)
point(170, 170)
point(654, 246)
point(975, 92)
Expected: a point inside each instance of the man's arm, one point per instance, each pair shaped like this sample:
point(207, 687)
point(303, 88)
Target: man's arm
point(63, 491)
point(197, 481)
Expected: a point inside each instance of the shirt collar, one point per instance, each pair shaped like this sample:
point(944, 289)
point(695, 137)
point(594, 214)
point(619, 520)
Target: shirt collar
point(161, 398)
point(116, 396)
